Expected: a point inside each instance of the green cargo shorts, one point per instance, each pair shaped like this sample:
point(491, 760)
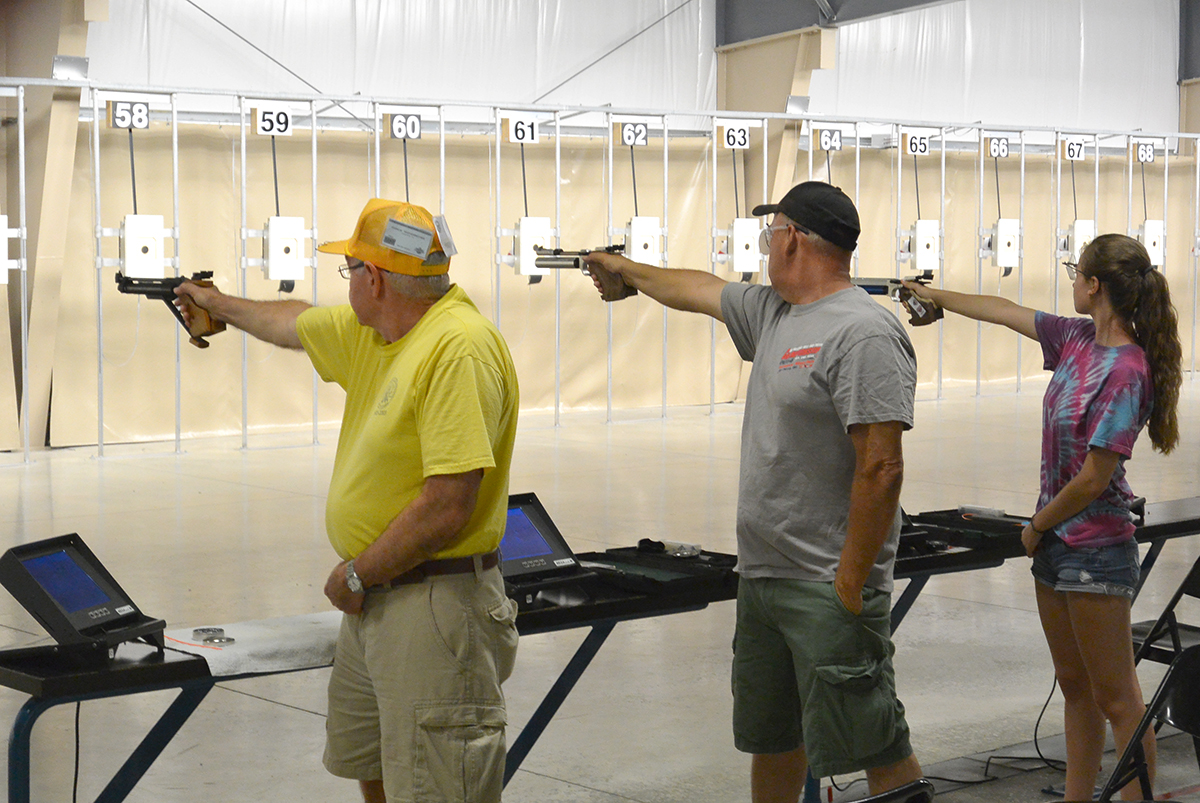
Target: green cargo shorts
point(808, 672)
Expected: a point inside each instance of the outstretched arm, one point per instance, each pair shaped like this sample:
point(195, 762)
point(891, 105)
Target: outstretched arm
point(272, 321)
point(990, 309)
point(687, 290)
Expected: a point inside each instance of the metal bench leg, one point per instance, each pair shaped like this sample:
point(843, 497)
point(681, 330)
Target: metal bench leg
point(555, 697)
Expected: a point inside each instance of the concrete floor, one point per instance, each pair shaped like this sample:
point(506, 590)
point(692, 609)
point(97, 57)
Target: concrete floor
point(221, 534)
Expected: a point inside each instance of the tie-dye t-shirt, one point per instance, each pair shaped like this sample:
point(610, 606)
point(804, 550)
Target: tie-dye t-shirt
point(1099, 396)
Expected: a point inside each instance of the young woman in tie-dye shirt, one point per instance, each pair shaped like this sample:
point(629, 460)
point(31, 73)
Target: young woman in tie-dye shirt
point(1116, 371)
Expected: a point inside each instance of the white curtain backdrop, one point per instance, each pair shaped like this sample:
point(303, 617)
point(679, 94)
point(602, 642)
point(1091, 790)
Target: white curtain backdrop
point(639, 53)
point(1091, 64)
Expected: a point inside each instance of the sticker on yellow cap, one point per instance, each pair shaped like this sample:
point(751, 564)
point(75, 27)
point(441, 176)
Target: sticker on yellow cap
point(406, 239)
point(444, 236)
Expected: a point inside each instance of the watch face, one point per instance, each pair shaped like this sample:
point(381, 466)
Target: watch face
point(352, 580)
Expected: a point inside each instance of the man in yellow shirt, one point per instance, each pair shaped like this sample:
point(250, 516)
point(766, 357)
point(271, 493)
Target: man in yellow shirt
point(417, 505)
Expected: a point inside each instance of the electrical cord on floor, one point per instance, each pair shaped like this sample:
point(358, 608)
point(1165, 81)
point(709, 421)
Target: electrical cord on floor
point(1051, 763)
point(833, 783)
point(959, 781)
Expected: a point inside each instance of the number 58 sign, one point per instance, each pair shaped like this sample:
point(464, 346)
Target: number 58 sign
point(128, 114)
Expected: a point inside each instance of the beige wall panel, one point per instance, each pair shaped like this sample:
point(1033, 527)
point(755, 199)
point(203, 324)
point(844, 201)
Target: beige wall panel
point(139, 337)
point(1189, 107)
point(139, 333)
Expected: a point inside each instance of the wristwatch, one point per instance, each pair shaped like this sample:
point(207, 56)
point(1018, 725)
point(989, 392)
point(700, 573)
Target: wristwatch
point(352, 579)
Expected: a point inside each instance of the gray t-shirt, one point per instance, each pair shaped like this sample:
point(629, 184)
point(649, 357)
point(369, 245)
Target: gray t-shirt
point(818, 368)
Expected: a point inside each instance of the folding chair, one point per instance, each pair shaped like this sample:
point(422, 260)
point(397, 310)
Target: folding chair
point(1149, 638)
point(918, 791)
point(1176, 703)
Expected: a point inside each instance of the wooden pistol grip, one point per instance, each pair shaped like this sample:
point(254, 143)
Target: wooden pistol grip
point(612, 285)
point(921, 311)
point(202, 324)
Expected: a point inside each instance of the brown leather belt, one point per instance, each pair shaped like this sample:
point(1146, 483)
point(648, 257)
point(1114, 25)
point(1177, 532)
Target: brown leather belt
point(462, 565)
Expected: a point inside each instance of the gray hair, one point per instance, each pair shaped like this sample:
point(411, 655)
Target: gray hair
point(419, 287)
point(819, 243)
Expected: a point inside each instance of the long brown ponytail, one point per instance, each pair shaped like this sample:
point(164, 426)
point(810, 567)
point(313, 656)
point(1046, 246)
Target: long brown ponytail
point(1139, 295)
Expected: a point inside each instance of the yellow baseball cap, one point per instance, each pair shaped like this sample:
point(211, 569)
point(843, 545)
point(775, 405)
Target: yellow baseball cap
point(397, 237)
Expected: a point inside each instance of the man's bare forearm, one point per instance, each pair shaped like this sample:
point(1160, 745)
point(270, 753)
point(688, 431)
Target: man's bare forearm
point(271, 321)
point(429, 523)
point(687, 290)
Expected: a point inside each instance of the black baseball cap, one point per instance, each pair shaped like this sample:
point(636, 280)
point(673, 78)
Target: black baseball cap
point(821, 208)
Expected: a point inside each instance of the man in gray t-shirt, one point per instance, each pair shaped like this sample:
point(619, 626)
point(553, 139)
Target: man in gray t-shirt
point(831, 391)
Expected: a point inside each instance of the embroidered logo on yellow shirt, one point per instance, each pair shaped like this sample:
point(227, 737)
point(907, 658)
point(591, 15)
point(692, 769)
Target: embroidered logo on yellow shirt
point(388, 394)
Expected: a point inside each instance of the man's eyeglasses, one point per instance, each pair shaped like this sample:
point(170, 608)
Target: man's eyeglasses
point(344, 270)
point(1072, 269)
point(764, 239)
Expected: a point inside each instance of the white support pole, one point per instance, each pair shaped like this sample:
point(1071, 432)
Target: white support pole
point(175, 251)
point(99, 272)
point(712, 250)
point(558, 273)
point(1195, 247)
point(1129, 185)
point(496, 121)
point(978, 259)
point(1021, 258)
point(608, 310)
point(316, 379)
point(442, 159)
point(24, 266)
point(1166, 238)
point(1056, 185)
point(375, 121)
point(942, 236)
point(665, 261)
point(242, 268)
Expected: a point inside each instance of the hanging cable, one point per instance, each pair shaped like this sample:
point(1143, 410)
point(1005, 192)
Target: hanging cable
point(917, 185)
point(283, 66)
point(524, 185)
point(132, 171)
point(405, 141)
point(1145, 208)
point(736, 206)
point(1074, 197)
point(605, 55)
point(633, 178)
point(996, 162)
point(285, 285)
point(275, 172)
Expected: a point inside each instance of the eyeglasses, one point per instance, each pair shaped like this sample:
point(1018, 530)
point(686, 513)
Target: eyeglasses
point(344, 270)
point(1072, 269)
point(764, 238)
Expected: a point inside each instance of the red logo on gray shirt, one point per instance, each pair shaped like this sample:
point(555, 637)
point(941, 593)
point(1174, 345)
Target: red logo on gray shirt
point(799, 357)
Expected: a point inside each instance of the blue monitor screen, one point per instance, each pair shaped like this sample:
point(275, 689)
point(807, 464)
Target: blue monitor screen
point(521, 538)
point(69, 585)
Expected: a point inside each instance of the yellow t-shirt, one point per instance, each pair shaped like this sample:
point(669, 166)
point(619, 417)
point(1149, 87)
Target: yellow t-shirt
point(442, 399)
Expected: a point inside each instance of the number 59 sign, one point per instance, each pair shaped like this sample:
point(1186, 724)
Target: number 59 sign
point(274, 121)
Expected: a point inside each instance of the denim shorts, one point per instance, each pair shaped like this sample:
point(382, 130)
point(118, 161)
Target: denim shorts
point(1112, 569)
